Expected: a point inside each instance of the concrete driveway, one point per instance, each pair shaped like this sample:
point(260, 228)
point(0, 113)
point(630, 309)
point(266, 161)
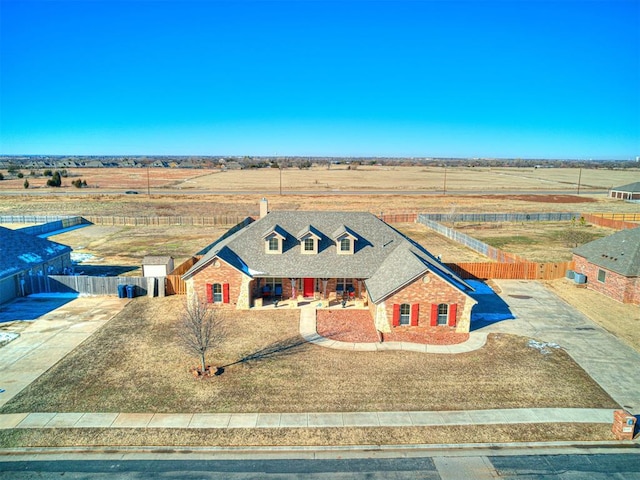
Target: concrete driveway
point(50, 338)
point(542, 315)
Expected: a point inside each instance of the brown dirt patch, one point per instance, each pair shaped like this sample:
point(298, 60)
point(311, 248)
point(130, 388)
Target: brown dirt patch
point(356, 326)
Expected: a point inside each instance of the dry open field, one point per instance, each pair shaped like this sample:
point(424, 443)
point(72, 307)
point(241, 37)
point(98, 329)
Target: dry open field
point(337, 178)
point(247, 204)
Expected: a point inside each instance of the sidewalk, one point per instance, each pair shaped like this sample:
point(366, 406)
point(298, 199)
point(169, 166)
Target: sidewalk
point(305, 420)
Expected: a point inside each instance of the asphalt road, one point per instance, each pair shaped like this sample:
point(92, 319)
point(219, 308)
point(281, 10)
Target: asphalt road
point(622, 466)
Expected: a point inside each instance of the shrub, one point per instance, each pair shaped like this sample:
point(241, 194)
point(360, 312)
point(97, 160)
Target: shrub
point(26, 183)
point(55, 180)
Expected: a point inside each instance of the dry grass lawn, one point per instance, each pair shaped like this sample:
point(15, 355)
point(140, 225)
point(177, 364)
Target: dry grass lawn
point(537, 242)
point(450, 434)
point(134, 365)
point(622, 320)
point(127, 246)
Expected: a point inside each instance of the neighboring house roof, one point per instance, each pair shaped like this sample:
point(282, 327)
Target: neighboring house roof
point(629, 187)
point(156, 260)
point(21, 251)
point(619, 252)
point(383, 256)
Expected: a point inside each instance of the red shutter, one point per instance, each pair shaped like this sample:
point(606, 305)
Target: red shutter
point(209, 293)
point(396, 314)
point(225, 293)
point(452, 314)
point(434, 315)
point(415, 311)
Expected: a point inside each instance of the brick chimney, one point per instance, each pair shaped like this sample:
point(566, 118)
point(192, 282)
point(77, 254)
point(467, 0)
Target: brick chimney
point(264, 208)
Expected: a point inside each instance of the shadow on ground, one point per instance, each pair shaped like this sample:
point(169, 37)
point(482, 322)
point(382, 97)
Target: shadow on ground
point(33, 306)
point(490, 308)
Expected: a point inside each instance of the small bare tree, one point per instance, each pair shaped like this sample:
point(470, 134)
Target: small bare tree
point(202, 327)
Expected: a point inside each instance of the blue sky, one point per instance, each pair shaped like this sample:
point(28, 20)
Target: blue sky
point(543, 79)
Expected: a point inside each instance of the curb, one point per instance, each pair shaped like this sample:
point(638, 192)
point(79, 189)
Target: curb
point(337, 452)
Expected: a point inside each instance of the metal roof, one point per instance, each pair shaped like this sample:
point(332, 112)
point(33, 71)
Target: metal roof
point(629, 187)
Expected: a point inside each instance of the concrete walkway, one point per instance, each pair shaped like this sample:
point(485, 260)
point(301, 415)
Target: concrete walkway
point(305, 420)
point(49, 339)
point(542, 315)
point(308, 331)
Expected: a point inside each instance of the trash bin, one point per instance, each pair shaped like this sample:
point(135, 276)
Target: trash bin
point(131, 291)
point(122, 291)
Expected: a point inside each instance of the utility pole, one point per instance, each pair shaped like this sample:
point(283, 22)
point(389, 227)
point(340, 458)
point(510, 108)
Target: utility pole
point(444, 190)
point(579, 178)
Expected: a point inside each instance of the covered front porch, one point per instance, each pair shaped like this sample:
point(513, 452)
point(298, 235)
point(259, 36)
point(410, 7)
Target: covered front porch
point(275, 292)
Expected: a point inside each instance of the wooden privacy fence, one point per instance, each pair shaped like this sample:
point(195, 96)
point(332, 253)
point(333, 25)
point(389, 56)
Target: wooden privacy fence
point(512, 271)
point(175, 285)
point(93, 285)
point(212, 220)
point(616, 221)
point(398, 217)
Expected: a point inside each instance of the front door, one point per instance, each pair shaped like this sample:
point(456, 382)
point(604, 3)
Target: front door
point(308, 287)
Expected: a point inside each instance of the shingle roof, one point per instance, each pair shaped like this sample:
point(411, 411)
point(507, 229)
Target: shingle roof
point(156, 260)
point(383, 256)
point(21, 251)
point(619, 252)
point(629, 187)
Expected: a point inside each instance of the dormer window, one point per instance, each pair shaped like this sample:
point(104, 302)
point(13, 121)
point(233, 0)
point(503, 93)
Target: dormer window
point(274, 239)
point(309, 245)
point(345, 240)
point(309, 239)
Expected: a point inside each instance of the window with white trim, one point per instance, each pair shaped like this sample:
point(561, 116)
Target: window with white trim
point(443, 314)
point(309, 244)
point(405, 314)
point(274, 244)
point(217, 292)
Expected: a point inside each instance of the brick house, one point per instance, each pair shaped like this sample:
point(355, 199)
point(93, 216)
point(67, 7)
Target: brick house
point(330, 258)
point(612, 265)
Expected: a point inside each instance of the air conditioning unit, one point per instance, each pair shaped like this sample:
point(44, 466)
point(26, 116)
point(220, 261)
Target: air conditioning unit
point(571, 274)
point(580, 278)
